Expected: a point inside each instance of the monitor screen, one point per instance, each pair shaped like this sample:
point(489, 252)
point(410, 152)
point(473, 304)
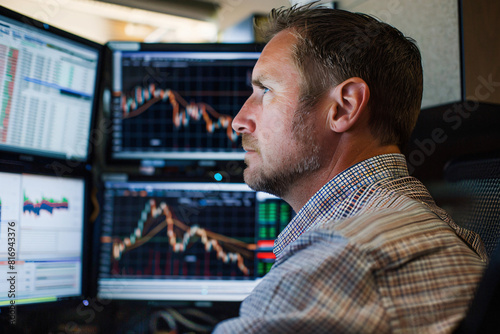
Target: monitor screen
point(48, 89)
point(172, 101)
point(186, 241)
point(41, 237)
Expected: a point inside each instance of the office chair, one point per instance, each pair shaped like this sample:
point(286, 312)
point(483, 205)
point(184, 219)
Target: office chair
point(475, 185)
point(475, 205)
point(483, 315)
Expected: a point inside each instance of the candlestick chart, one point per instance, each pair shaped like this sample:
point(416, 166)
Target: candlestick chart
point(179, 234)
point(183, 107)
point(182, 112)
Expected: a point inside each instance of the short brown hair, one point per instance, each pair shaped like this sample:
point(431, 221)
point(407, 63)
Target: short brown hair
point(335, 45)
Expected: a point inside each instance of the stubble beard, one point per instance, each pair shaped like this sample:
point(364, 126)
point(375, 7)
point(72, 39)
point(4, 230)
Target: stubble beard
point(279, 177)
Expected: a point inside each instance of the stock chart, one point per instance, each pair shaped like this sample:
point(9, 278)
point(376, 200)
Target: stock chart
point(181, 233)
point(165, 105)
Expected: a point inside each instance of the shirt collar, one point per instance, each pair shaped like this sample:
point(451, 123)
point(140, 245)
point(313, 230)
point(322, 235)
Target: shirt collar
point(330, 201)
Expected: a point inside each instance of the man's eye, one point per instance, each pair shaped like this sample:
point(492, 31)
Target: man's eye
point(265, 90)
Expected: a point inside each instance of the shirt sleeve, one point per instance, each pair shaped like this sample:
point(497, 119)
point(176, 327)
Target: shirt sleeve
point(321, 283)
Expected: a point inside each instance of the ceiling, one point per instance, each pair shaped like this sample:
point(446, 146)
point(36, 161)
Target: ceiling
point(224, 13)
point(196, 9)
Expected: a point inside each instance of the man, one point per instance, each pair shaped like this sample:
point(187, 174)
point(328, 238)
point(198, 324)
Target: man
point(335, 97)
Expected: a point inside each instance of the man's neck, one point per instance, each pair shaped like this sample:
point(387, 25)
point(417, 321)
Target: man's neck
point(304, 188)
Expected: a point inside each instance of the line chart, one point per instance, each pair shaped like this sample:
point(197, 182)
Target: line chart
point(46, 204)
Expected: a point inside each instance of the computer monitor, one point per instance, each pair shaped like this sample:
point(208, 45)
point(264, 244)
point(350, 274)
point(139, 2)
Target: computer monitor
point(186, 241)
point(42, 228)
point(177, 101)
point(49, 84)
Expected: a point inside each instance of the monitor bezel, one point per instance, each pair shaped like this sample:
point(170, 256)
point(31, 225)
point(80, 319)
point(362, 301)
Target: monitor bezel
point(110, 293)
point(86, 257)
point(112, 46)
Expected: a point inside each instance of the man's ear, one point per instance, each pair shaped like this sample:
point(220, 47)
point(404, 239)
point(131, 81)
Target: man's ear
point(350, 100)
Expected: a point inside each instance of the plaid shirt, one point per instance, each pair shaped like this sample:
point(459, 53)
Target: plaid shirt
point(369, 253)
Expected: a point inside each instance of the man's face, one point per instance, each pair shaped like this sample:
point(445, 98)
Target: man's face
point(281, 147)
